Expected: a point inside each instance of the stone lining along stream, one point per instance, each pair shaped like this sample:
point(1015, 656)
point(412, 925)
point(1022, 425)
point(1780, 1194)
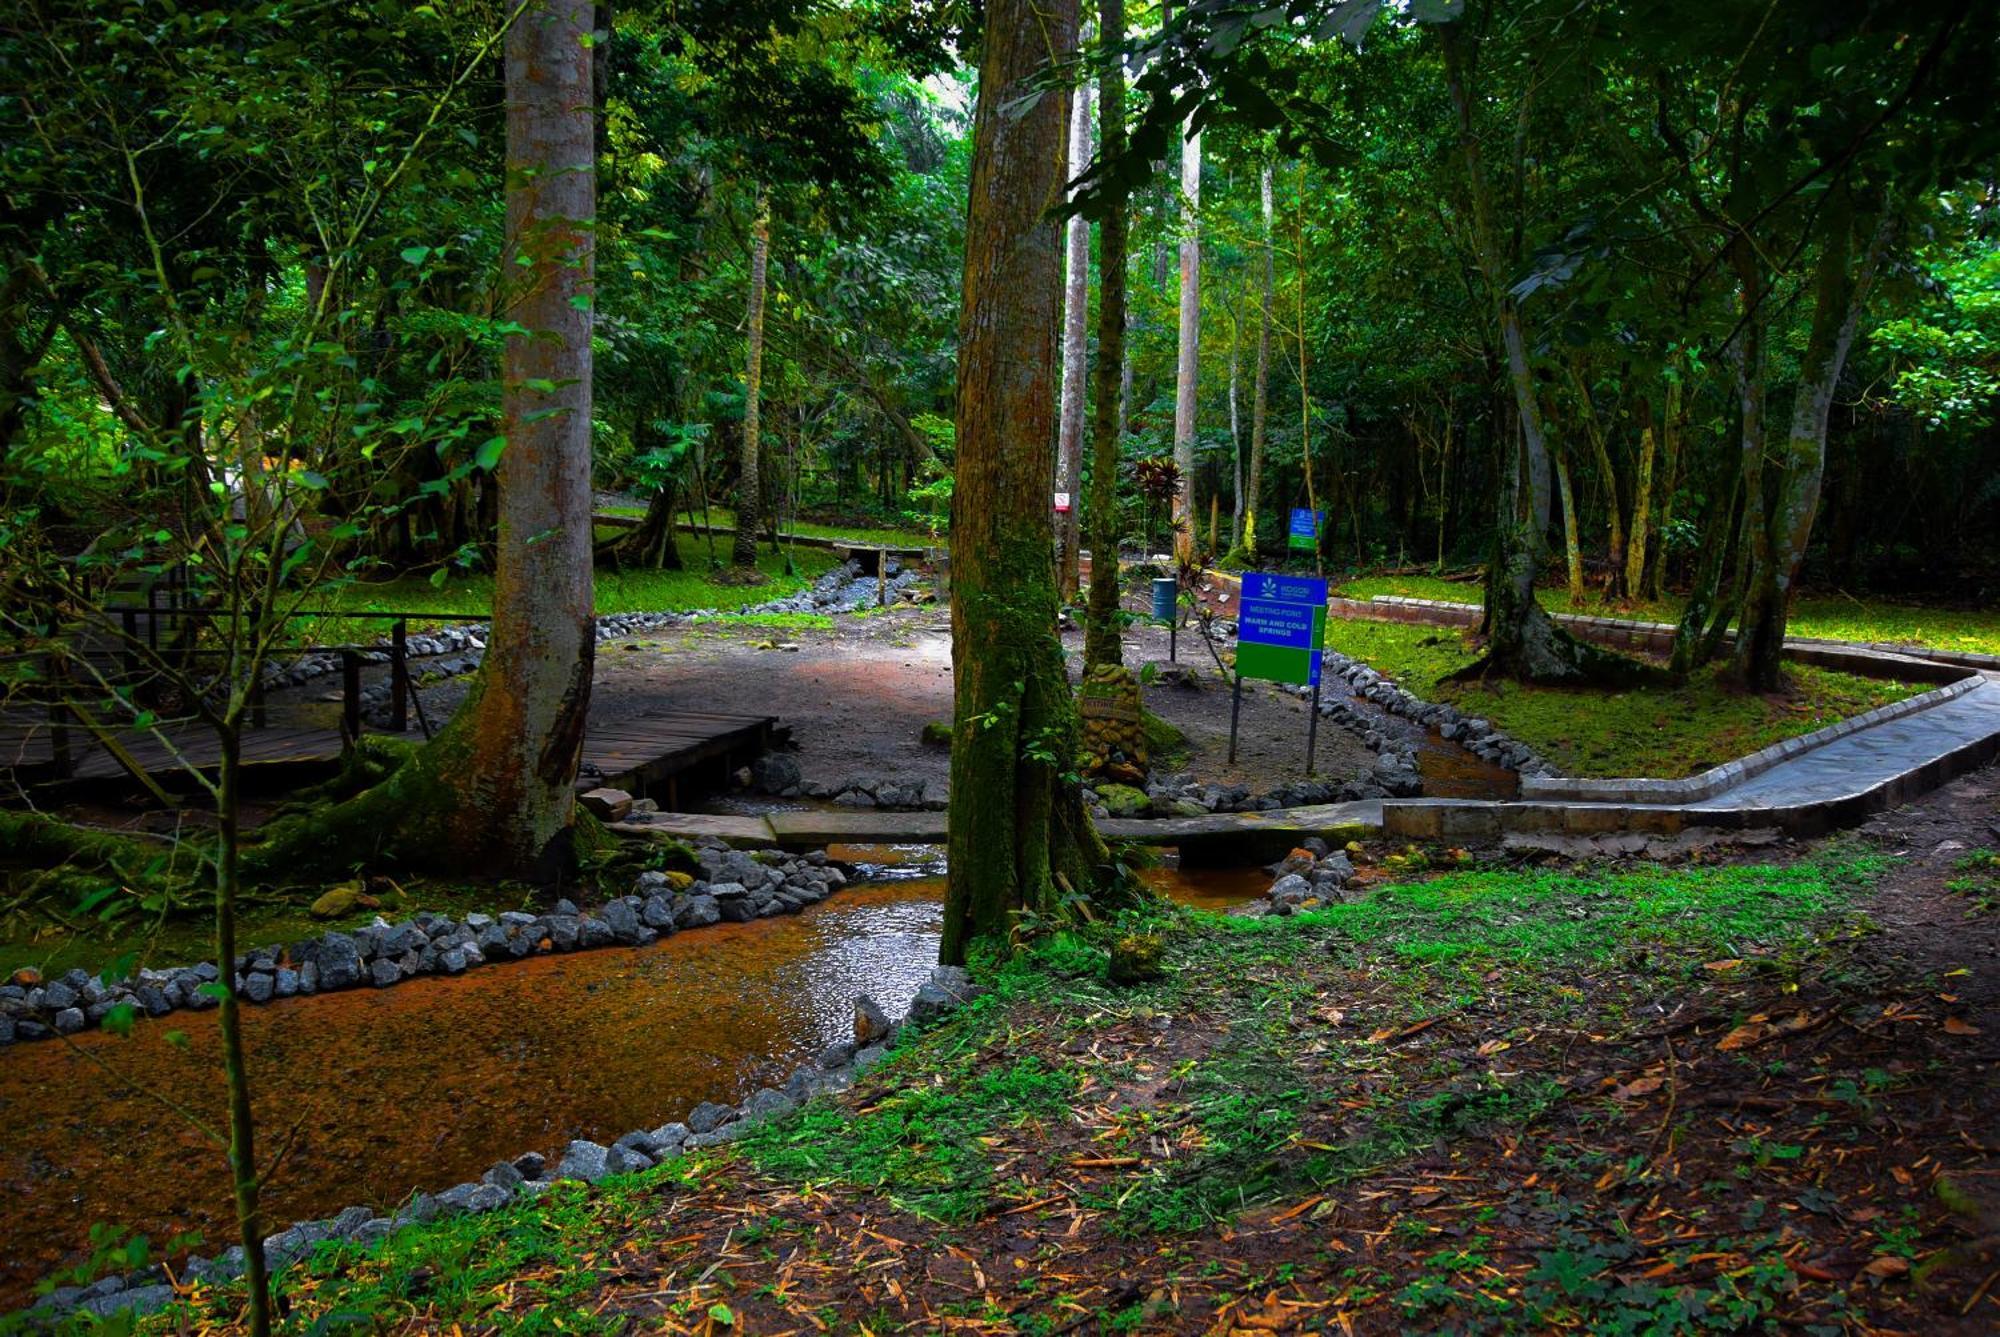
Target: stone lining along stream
point(427, 1085)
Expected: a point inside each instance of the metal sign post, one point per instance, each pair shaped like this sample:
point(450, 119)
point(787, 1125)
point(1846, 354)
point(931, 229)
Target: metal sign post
point(1280, 637)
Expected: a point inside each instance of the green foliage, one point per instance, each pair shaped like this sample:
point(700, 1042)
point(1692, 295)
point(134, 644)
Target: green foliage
point(918, 1146)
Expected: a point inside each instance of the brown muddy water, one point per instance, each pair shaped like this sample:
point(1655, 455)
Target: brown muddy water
point(427, 1084)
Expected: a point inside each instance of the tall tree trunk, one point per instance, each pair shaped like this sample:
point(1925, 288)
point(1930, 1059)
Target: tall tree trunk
point(1571, 549)
point(1593, 430)
point(1235, 432)
point(1261, 386)
point(1076, 312)
point(1018, 839)
point(1840, 289)
point(1101, 644)
point(749, 482)
point(1672, 431)
point(1187, 376)
point(494, 792)
point(1522, 639)
point(1642, 513)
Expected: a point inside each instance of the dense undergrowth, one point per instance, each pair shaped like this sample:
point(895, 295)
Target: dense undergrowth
point(1458, 1029)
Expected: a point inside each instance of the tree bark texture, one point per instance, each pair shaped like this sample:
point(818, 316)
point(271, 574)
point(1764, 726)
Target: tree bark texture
point(1572, 550)
point(1642, 514)
point(1260, 391)
point(1187, 378)
point(1076, 314)
point(749, 481)
point(1840, 290)
point(1523, 641)
point(1593, 429)
point(494, 792)
point(1101, 643)
point(1018, 838)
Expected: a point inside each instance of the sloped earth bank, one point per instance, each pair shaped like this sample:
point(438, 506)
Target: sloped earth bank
point(1755, 1093)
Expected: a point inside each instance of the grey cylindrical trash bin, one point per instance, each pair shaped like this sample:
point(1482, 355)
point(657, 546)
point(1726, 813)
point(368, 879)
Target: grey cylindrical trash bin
point(1165, 591)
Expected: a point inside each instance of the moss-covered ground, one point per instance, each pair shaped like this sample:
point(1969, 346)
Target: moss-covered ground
point(1655, 730)
point(1715, 1098)
point(1837, 617)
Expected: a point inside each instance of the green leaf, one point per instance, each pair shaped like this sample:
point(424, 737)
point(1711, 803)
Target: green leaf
point(416, 255)
point(489, 452)
point(119, 1019)
point(721, 1314)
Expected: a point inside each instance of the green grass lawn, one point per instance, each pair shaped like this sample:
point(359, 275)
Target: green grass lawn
point(1665, 732)
point(471, 595)
point(864, 534)
point(1836, 617)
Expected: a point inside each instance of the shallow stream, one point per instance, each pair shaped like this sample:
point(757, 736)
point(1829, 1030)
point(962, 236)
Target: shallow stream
point(427, 1084)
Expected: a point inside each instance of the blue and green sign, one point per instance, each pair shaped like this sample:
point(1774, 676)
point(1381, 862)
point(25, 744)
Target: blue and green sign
point(1281, 628)
point(1304, 533)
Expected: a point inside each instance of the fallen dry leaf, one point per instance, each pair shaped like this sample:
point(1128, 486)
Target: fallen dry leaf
point(1960, 1026)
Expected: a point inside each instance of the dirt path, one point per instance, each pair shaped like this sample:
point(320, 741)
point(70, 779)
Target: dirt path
point(857, 698)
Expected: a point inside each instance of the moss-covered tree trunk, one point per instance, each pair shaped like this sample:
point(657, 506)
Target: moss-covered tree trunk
point(1572, 548)
point(1642, 514)
point(1018, 836)
point(1593, 430)
point(1102, 643)
point(749, 480)
point(1840, 288)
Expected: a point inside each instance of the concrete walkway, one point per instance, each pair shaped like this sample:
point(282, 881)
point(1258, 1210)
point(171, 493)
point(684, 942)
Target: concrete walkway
point(1819, 788)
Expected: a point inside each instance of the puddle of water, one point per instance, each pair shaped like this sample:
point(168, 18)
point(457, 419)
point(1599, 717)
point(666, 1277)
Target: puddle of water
point(427, 1084)
point(1216, 889)
point(1450, 771)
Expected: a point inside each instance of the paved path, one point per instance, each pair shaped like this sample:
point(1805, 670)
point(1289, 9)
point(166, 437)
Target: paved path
point(1874, 756)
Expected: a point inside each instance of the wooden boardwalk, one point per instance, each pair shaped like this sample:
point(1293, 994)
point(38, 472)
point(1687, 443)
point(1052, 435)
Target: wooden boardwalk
point(640, 753)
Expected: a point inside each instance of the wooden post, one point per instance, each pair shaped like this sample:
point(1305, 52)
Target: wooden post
point(58, 722)
point(882, 578)
point(399, 676)
point(350, 696)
